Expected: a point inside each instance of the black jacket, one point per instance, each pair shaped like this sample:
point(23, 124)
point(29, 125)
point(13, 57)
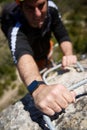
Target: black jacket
point(24, 39)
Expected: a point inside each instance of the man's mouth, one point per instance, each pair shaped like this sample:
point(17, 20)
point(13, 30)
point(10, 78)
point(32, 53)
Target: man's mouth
point(38, 21)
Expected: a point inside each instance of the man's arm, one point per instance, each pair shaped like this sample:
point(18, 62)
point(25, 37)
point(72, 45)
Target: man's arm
point(69, 58)
point(66, 48)
point(48, 99)
point(28, 69)
point(63, 39)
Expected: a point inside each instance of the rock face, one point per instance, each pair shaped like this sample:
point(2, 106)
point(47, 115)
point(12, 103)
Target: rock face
point(75, 116)
point(23, 115)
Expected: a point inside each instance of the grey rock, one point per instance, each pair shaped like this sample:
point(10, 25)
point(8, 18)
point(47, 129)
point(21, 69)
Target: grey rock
point(75, 116)
point(23, 115)
point(16, 118)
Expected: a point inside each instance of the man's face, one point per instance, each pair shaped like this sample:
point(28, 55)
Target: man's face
point(35, 11)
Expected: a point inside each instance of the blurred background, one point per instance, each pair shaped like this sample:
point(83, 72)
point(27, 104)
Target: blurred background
point(74, 16)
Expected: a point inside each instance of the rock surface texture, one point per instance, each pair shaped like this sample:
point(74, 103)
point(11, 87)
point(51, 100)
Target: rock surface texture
point(23, 115)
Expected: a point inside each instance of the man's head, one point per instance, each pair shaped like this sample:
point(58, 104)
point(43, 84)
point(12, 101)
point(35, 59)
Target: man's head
point(35, 11)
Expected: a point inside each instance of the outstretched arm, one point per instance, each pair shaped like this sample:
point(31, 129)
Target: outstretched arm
point(28, 69)
point(48, 99)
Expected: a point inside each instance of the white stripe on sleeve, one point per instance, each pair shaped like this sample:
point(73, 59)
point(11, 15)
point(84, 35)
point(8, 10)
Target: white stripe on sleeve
point(13, 40)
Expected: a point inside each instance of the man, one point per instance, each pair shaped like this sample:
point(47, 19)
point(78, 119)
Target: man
point(28, 26)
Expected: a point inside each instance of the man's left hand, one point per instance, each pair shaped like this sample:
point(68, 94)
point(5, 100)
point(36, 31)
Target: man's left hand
point(68, 60)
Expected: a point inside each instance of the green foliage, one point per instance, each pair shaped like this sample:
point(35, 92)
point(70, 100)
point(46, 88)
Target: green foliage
point(7, 68)
point(78, 29)
point(81, 45)
point(22, 90)
point(5, 1)
point(14, 86)
point(1, 90)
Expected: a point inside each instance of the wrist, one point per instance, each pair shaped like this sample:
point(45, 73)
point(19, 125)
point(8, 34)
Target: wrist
point(34, 86)
point(38, 90)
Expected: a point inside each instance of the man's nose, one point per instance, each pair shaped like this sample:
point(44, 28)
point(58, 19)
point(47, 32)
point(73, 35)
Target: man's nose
point(37, 11)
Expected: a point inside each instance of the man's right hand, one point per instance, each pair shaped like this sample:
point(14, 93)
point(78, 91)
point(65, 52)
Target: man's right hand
point(52, 98)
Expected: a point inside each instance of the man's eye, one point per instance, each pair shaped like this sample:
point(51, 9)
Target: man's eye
point(41, 6)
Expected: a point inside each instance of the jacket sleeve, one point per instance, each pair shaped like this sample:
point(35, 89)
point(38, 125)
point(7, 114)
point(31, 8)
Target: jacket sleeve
point(18, 42)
